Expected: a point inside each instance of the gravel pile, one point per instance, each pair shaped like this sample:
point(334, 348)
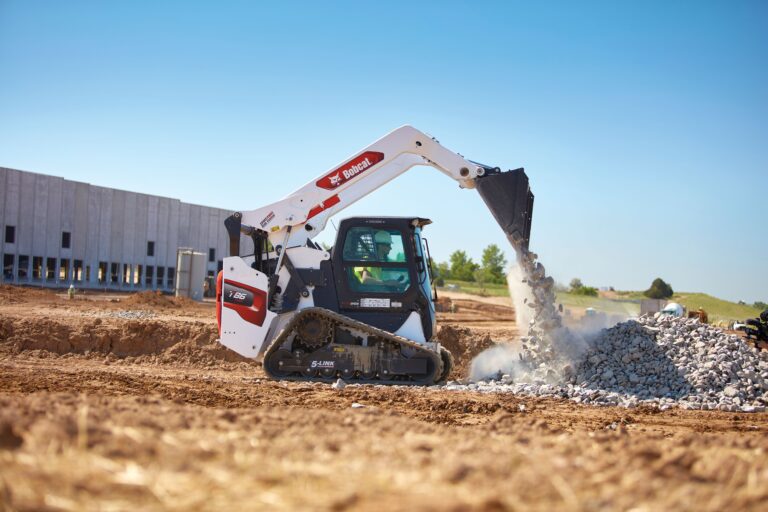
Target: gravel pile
point(133, 314)
point(126, 314)
point(661, 361)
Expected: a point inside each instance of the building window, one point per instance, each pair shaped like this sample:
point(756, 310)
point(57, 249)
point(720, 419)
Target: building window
point(63, 269)
point(114, 273)
point(23, 271)
point(138, 270)
point(37, 267)
point(8, 260)
point(211, 254)
point(126, 274)
point(77, 270)
point(171, 275)
point(160, 277)
point(87, 273)
point(220, 266)
point(101, 275)
point(65, 238)
point(50, 269)
point(10, 234)
point(149, 275)
point(150, 248)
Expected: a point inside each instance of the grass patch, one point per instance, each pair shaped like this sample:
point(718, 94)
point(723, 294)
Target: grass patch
point(572, 300)
point(488, 290)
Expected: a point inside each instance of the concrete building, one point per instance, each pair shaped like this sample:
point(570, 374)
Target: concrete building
point(58, 232)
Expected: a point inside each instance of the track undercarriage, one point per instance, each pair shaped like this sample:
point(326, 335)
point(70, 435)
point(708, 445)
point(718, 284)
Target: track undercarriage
point(321, 345)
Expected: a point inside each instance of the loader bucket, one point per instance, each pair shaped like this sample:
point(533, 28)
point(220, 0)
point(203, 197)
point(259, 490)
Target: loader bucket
point(510, 200)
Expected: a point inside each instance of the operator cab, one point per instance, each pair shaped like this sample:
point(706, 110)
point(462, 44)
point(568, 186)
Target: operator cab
point(382, 272)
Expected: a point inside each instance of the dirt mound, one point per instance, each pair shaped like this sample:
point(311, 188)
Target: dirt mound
point(21, 294)
point(157, 300)
point(188, 342)
point(496, 312)
point(464, 344)
point(151, 299)
point(445, 304)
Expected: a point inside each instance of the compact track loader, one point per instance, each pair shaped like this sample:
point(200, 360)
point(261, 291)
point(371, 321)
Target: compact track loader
point(363, 310)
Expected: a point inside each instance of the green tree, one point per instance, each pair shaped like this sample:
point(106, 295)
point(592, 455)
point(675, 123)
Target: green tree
point(439, 272)
point(462, 267)
point(444, 270)
point(760, 305)
point(481, 276)
point(659, 290)
point(576, 284)
point(493, 264)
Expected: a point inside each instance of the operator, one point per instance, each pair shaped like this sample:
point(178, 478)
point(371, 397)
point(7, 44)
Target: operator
point(373, 275)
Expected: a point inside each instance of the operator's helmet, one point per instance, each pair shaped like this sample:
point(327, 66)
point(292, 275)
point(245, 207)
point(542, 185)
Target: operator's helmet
point(383, 237)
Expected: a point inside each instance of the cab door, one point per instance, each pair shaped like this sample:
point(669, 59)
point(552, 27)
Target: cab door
point(374, 266)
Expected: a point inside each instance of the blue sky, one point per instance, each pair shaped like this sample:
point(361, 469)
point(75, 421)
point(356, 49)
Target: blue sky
point(643, 126)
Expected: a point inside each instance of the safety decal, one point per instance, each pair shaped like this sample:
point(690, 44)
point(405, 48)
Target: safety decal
point(267, 219)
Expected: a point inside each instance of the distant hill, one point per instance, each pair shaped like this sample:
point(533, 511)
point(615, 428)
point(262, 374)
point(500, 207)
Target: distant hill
point(717, 309)
point(628, 302)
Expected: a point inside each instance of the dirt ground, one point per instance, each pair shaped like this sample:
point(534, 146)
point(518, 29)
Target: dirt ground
point(127, 403)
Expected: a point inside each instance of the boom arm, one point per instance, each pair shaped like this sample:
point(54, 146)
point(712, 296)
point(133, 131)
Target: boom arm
point(300, 216)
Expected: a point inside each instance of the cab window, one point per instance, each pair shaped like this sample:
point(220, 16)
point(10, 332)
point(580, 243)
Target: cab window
point(368, 253)
point(370, 244)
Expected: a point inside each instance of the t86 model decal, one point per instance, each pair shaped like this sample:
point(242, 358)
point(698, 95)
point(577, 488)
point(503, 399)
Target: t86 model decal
point(349, 170)
point(250, 303)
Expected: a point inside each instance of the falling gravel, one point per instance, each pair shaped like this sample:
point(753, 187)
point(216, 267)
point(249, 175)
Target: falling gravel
point(660, 361)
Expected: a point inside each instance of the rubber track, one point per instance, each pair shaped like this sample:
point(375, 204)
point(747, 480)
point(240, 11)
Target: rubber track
point(354, 324)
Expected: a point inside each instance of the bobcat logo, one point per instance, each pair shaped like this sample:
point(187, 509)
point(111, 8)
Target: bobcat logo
point(350, 170)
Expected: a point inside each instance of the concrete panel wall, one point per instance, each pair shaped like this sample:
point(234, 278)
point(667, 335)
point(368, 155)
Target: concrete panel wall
point(24, 222)
point(105, 225)
point(40, 216)
point(3, 188)
point(10, 216)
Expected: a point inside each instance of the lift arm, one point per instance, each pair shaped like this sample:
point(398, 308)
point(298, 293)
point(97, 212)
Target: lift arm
point(303, 214)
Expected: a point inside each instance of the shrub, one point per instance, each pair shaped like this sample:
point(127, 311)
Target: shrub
point(590, 291)
point(659, 290)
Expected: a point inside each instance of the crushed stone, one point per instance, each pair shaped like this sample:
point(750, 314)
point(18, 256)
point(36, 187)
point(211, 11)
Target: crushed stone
point(660, 361)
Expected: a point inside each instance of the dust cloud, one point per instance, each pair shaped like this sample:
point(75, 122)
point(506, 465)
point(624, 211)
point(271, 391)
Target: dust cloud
point(547, 351)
